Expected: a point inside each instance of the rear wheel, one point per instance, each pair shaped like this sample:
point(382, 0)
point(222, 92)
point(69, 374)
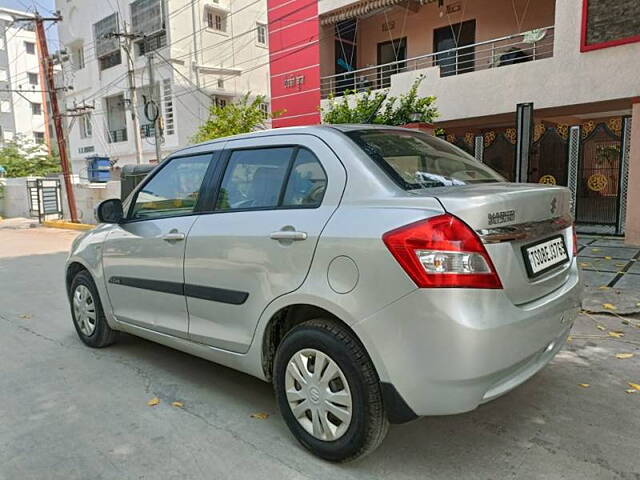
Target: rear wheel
point(87, 313)
point(328, 391)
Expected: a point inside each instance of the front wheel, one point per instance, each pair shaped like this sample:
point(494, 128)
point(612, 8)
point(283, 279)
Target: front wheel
point(329, 392)
point(87, 313)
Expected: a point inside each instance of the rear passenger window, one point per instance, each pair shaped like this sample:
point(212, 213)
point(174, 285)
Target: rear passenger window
point(254, 178)
point(307, 181)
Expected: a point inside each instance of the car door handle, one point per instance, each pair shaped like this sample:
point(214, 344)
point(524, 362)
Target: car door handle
point(173, 237)
point(288, 235)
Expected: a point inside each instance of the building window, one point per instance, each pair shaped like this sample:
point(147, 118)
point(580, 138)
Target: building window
point(4, 76)
point(77, 57)
point(5, 106)
point(219, 102)
point(30, 48)
point(261, 34)
point(264, 108)
point(154, 42)
point(107, 46)
point(33, 78)
point(110, 60)
point(147, 17)
point(217, 20)
point(36, 108)
point(86, 127)
point(221, 83)
point(38, 137)
point(169, 125)
point(116, 119)
point(2, 43)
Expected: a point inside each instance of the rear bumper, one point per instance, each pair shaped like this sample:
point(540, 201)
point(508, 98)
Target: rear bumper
point(446, 351)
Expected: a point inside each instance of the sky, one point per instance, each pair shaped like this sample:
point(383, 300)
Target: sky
point(45, 7)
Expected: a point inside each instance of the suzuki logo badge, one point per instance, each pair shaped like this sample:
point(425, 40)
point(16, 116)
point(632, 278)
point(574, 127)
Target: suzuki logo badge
point(554, 205)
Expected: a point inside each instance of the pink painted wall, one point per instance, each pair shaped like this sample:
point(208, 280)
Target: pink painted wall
point(494, 19)
point(294, 57)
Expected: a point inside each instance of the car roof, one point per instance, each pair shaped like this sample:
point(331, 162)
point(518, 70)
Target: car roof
point(319, 130)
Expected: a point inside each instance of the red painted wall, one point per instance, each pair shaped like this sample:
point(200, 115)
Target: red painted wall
point(294, 59)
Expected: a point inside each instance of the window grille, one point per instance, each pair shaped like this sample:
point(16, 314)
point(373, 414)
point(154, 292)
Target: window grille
point(105, 43)
point(147, 17)
point(169, 126)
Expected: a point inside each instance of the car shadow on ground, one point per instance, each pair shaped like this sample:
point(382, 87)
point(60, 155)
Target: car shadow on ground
point(518, 431)
point(548, 427)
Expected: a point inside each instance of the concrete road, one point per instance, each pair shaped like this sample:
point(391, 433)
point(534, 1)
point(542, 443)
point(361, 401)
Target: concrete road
point(69, 412)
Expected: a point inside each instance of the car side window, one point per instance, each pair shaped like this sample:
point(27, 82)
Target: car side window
point(254, 178)
point(307, 181)
point(174, 190)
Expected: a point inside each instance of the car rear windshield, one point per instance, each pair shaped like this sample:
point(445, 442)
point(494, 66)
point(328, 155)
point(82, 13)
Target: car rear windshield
point(416, 160)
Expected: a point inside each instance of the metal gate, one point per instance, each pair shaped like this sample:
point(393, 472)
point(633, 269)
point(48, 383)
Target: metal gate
point(598, 185)
point(549, 154)
point(45, 199)
point(500, 152)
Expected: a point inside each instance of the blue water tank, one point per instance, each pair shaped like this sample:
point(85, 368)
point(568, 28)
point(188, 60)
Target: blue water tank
point(98, 168)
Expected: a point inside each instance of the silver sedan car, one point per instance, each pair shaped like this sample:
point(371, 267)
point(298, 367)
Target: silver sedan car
point(373, 274)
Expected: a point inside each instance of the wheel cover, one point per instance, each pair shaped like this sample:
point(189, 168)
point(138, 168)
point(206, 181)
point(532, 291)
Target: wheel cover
point(84, 309)
point(318, 394)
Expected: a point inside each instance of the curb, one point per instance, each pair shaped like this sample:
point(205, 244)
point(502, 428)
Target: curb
point(67, 225)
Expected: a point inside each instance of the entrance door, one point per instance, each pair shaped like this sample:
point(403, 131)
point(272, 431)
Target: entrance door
point(275, 197)
point(346, 55)
point(449, 40)
point(598, 195)
point(390, 52)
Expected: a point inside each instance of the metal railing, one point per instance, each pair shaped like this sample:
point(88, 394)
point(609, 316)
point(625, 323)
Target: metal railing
point(147, 131)
point(509, 50)
point(115, 136)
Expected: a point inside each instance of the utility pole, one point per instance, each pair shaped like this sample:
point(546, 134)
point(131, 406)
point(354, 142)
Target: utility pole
point(154, 115)
point(133, 94)
point(47, 64)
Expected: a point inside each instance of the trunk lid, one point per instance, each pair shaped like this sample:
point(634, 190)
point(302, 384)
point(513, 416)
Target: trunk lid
point(508, 217)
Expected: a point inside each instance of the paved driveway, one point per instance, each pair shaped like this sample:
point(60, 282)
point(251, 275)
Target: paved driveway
point(68, 412)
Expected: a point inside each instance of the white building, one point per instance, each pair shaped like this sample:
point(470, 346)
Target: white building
point(204, 51)
point(21, 99)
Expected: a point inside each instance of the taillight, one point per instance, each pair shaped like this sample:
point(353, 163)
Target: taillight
point(442, 252)
point(575, 240)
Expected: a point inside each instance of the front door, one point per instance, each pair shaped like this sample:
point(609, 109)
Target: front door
point(449, 40)
point(143, 257)
point(274, 199)
point(390, 56)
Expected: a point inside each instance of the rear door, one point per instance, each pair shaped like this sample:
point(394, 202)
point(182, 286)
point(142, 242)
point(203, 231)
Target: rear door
point(275, 196)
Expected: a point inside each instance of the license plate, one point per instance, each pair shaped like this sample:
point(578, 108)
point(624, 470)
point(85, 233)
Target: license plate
point(545, 255)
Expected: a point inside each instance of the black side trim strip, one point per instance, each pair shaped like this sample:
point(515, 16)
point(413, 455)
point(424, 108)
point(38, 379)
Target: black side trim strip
point(221, 295)
point(397, 409)
point(155, 285)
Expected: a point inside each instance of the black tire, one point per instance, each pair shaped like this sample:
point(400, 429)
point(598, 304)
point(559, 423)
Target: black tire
point(369, 424)
point(102, 335)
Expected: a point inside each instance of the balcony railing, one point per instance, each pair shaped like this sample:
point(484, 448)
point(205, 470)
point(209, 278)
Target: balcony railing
point(524, 47)
point(115, 136)
point(147, 131)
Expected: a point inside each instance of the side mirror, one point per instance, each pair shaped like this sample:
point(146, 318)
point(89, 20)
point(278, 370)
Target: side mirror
point(109, 211)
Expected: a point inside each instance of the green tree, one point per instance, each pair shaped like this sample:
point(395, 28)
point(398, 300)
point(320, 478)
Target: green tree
point(21, 158)
point(360, 107)
point(243, 116)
